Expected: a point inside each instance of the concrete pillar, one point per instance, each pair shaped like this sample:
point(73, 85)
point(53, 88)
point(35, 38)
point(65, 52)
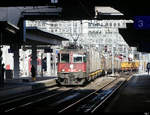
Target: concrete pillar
point(49, 64)
point(41, 65)
point(26, 63)
point(27, 66)
point(112, 60)
point(127, 53)
point(34, 56)
point(140, 66)
point(55, 67)
point(16, 62)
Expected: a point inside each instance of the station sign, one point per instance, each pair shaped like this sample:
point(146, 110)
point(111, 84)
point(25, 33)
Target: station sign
point(57, 51)
point(142, 22)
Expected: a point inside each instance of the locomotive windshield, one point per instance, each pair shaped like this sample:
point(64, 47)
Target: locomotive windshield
point(64, 58)
point(78, 58)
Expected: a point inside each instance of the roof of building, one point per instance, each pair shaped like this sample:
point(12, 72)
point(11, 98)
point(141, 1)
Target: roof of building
point(7, 26)
point(107, 10)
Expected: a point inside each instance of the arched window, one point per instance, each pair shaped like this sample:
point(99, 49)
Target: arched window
point(118, 24)
point(110, 24)
point(106, 24)
point(115, 24)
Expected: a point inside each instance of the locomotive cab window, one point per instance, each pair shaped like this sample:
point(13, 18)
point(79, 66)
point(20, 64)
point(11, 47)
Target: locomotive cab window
point(84, 58)
point(64, 58)
point(77, 58)
point(58, 57)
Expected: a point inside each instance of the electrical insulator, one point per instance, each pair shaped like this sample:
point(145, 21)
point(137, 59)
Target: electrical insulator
point(105, 48)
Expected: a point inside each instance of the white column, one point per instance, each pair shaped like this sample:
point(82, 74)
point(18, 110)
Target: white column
point(27, 66)
point(41, 64)
point(127, 53)
point(113, 55)
point(112, 60)
point(49, 64)
point(34, 56)
point(26, 63)
point(16, 62)
point(140, 67)
point(53, 64)
point(55, 67)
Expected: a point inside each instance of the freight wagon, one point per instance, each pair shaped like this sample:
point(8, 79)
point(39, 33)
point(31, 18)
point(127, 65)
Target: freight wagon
point(130, 66)
point(106, 64)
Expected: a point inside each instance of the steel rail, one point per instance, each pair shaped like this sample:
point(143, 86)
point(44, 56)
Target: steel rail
point(25, 93)
point(82, 99)
point(106, 98)
point(37, 101)
point(26, 96)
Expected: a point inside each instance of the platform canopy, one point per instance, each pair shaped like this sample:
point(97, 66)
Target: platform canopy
point(39, 37)
point(139, 38)
point(107, 12)
point(8, 33)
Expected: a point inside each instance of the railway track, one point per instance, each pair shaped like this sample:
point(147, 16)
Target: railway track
point(57, 103)
point(96, 99)
point(57, 98)
point(23, 94)
point(62, 99)
point(26, 100)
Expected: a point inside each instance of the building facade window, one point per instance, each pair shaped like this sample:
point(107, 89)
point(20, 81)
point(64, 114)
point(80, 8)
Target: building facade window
point(118, 24)
point(110, 24)
point(115, 24)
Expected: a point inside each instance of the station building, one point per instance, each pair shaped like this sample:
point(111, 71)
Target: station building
point(98, 34)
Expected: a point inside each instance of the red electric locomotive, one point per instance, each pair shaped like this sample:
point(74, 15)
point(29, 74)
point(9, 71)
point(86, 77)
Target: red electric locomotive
point(76, 66)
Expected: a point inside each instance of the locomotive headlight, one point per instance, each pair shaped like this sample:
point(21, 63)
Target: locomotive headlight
point(79, 70)
point(71, 66)
point(63, 70)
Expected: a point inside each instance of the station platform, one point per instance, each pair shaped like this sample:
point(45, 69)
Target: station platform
point(133, 96)
point(23, 84)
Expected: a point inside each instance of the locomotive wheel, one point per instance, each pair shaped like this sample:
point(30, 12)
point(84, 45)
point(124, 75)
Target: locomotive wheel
point(103, 73)
point(88, 79)
point(58, 83)
point(93, 78)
